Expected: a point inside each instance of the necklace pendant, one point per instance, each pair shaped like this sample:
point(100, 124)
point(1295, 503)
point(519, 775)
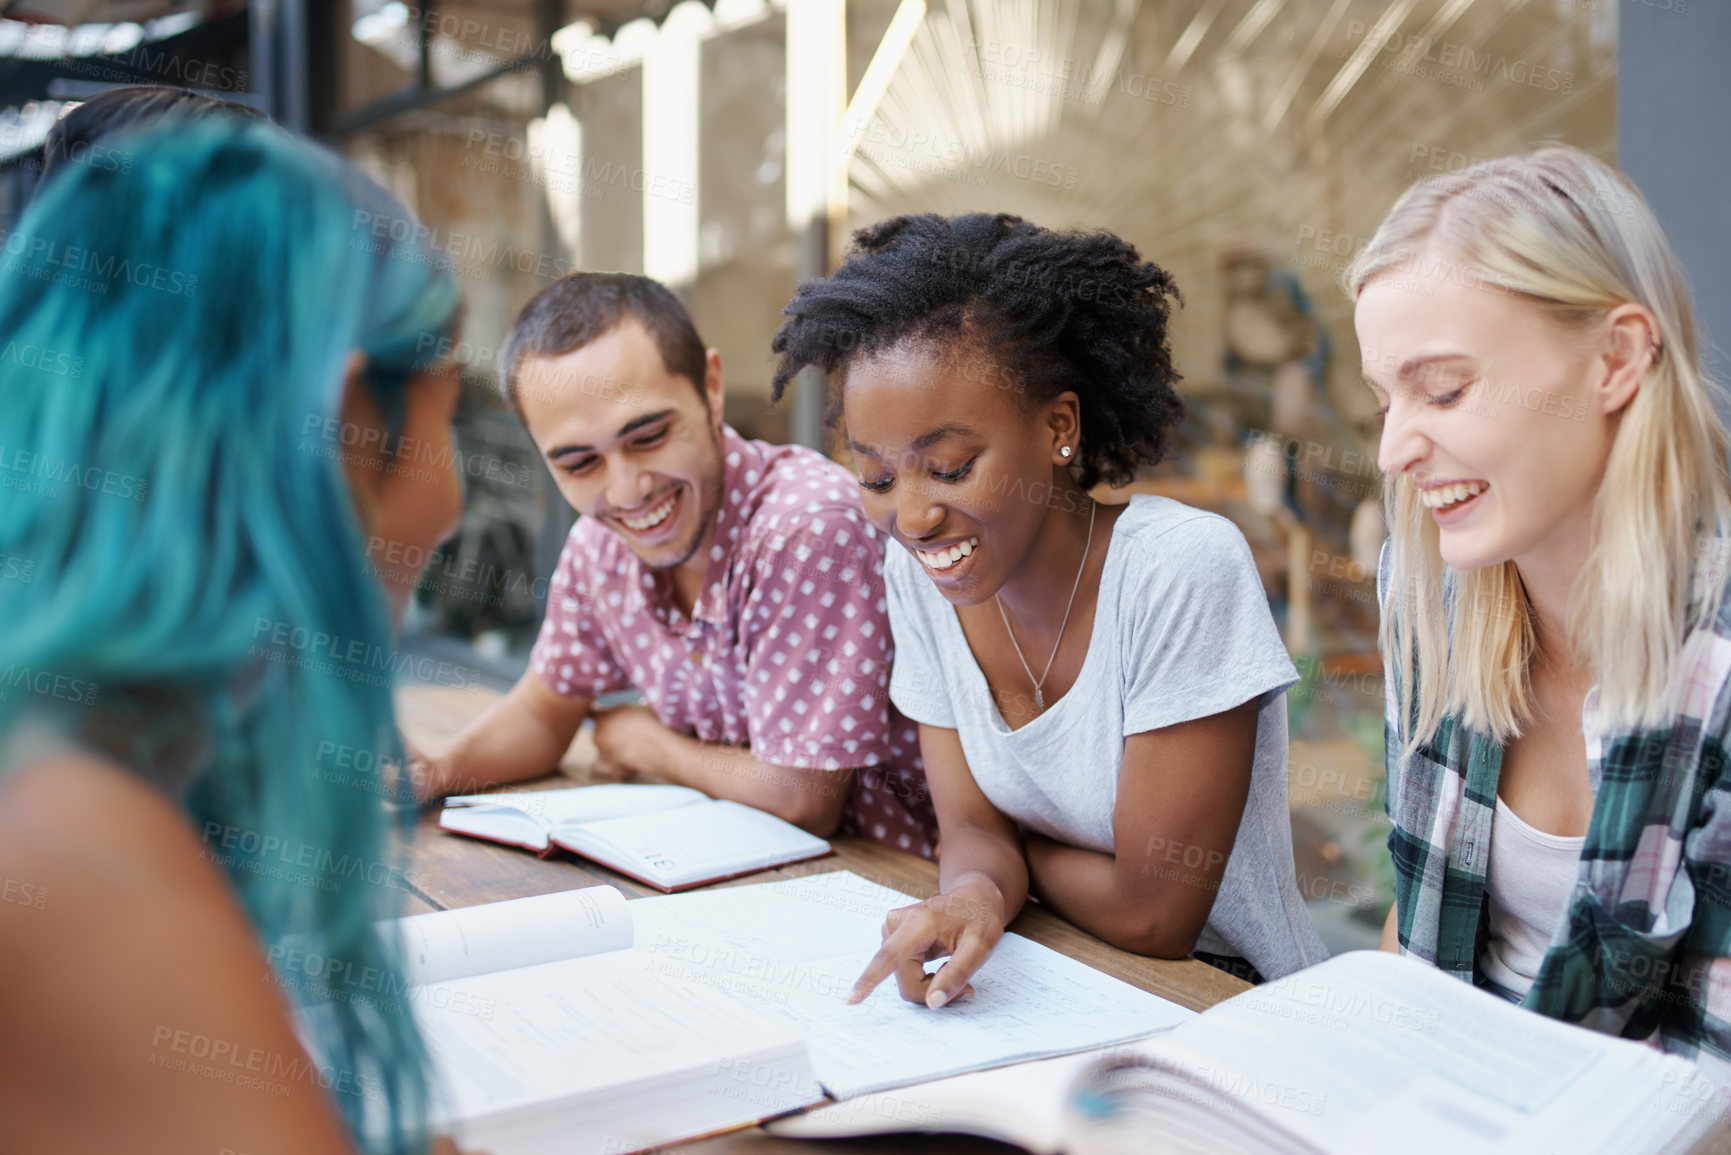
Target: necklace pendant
point(1039, 702)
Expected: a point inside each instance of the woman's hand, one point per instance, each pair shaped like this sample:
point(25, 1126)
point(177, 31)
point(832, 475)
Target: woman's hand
point(965, 923)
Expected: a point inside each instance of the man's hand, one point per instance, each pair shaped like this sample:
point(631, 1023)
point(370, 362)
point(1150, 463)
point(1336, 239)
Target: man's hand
point(628, 742)
point(601, 770)
point(964, 923)
point(421, 770)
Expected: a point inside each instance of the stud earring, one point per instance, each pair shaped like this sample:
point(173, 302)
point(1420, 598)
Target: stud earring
point(1064, 452)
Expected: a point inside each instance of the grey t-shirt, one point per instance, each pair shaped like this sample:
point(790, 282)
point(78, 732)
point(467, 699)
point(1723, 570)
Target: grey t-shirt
point(1181, 631)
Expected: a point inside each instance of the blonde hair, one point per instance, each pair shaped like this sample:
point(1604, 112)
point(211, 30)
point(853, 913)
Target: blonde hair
point(1568, 233)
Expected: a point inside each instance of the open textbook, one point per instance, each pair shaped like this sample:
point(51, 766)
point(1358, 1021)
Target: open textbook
point(549, 1036)
point(577, 1022)
point(668, 837)
point(1367, 1052)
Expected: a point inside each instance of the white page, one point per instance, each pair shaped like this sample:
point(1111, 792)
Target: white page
point(454, 944)
point(581, 1026)
point(586, 803)
point(1351, 1054)
point(1022, 1104)
point(795, 948)
point(499, 824)
point(692, 844)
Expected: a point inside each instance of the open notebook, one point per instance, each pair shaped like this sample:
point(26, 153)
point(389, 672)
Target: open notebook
point(577, 1022)
point(668, 837)
point(1367, 1052)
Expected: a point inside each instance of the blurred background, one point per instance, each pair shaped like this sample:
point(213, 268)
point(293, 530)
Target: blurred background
point(728, 148)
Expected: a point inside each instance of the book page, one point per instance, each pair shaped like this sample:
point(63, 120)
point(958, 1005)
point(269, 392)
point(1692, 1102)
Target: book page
point(691, 845)
point(1022, 1104)
point(454, 944)
point(795, 948)
point(602, 1027)
point(1347, 1055)
point(497, 823)
point(585, 803)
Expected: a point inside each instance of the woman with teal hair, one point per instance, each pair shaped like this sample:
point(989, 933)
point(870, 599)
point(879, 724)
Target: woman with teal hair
point(221, 393)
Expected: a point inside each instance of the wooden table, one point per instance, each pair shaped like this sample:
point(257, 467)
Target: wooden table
point(446, 871)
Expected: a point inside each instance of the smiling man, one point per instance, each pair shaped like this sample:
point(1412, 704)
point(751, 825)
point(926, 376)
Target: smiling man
point(737, 585)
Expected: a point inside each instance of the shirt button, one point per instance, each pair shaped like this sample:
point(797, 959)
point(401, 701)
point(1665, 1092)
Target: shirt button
point(697, 657)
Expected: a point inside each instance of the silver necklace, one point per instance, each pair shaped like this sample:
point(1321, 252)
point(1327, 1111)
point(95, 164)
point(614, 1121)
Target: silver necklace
point(1040, 702)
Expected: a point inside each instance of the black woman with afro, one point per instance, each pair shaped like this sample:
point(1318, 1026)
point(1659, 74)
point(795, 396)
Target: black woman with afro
point(1100, 689)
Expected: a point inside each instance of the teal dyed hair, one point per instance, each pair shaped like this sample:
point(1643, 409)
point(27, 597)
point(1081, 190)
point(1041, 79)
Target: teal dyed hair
point(174, 335)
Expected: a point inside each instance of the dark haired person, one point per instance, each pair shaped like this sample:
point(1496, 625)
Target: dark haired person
point(736, 584)
point(1100, 690)
point(75, 137)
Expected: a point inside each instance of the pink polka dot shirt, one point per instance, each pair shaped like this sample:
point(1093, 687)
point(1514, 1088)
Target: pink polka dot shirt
point(786, 651)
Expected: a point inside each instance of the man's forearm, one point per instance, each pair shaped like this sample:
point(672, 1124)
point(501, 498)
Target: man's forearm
point(507, 743)
point(1089, 889)
point(810, 799)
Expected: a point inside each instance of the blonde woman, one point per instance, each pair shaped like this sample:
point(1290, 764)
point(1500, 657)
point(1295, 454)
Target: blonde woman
point(1559, 668)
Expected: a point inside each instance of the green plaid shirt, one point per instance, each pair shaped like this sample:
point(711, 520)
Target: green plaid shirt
point(1642, 949)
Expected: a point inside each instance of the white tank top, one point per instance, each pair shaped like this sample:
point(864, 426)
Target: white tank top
point(1530, 878)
